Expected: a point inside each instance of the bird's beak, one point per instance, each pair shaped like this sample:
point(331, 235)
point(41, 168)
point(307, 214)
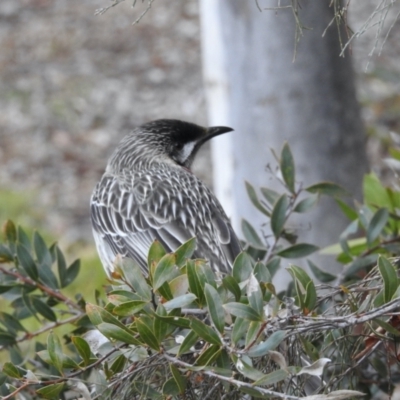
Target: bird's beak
point(215, 131)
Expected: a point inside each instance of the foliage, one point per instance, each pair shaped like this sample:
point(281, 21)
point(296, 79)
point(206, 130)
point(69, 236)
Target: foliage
point(184, 332)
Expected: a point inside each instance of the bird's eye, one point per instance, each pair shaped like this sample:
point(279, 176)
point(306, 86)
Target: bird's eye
point(179, 146)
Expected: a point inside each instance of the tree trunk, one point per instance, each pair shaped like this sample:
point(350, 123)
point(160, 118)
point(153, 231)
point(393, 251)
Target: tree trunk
point(268, 99)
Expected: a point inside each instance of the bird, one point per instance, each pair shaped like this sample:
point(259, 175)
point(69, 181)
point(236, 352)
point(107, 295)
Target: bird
point(148, 192)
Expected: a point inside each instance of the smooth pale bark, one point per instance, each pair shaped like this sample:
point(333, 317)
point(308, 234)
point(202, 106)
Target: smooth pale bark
point(254, 86)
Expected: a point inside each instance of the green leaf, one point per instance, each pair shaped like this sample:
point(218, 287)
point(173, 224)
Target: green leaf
point(240, 328)
point(7, 339)
point(253, 332)
point(165, 271)
point(156, 253)
point(26, 262)
point(51, 391)
point(23, 238)
point(185, 251)
point(254, 199)
point(321, 275)
point(61, 267)
point(179, 302)
point(273, 265)
point(129, 308)
point(270, 195)
point(262, 273)
point(134, 277)
point(305, 288)
point(376, 225)
point(83, 348)
point(170, 388)
point(209, 355)
point(55, 352)
point(43, 309)
point(298, 250)
point(42, 252)
point(72, 272)
point(230, 284)
point(271, 343)
point(287, 167)
point(389, 276)
point(118, 364)
point(242, 311)
point(194, 281)
point(205, 332)
point(190, 340)
point(179, 379)
point(10, 231)
point(349, 212)
point(254, 295)
point(278, 216)
point(306, 204)
point(327, 188)
point(159, 325)
point(248, 371)
point(272, 378)
point(112, 331)
point(251, 235)
point(215, 308)
point(10, 370)
point(11, 323)
point(179, 285)
point(147, 334)
point(242, 267)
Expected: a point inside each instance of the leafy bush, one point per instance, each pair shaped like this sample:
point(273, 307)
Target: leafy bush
point(183, 332)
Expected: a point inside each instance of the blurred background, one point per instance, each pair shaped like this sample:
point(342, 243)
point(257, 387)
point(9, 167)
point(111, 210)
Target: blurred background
point(72, 84)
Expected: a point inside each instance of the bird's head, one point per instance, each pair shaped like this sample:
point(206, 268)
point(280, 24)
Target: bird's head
point(169, 139)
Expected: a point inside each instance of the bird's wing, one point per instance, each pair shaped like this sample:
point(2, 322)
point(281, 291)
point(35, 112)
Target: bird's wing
point(129, 214)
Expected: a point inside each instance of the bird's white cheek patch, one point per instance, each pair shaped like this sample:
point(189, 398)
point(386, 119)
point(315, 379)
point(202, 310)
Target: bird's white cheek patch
point(186, 151)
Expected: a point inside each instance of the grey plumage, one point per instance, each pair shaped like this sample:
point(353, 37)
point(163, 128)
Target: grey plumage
point(148, 192)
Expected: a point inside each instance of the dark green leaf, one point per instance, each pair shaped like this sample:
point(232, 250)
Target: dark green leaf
point(11, 371)
point(134, 277)
point(55, 352)
point(42, 252)
point(205, 332)
point(147, 334)
point(327, 188)
point(7, 339)
point(11, 323)
point(194, 281)
point(230, 284)
point(83, 348)
point(287, 167)
point(26, 262)
point(115, 332)
point(174, 320)
point(376, 225)
point(156, 253)
point(306, 204)
point(251, 235)
point(165, 271)
point(278, 216)
point(360, 264)
point(209, 355)
point(253, 332)
point(179, 379)
point(179, 302)
point(349, 212)
point(298, 250)
point(261, 272)
point(185, 251)
point(270, 195)
point(170, 388)
point(254, 199)
point(242, 311)
point(10, 231)
point(271, 343)
point(215, 308)
point(242, 267)
point(248, 371)
point(43, 309)
point(129, 308)
point(273, 265)
point(51, 391)
point(272, 378)
point(254, 295)
point(240, 328)
point(23, 238)
point(72, 272)
point(61, 267)
point(6, 255)
point(189, 341)
point(160, 327)
point(389, 276)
